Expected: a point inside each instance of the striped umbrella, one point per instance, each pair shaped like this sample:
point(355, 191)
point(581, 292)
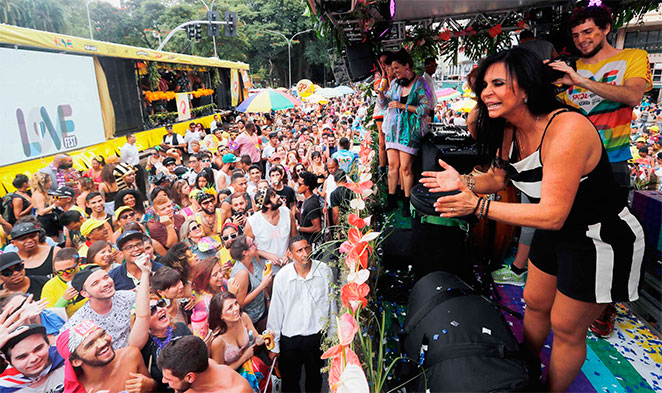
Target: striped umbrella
point(268, 100)
point(447, 94)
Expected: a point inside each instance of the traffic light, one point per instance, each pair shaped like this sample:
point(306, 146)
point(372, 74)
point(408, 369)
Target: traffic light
point(190, 31)
point(212, 29)
point(198, 31)
point(231, 24)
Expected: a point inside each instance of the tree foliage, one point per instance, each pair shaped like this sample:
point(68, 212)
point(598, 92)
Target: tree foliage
point(140, 22)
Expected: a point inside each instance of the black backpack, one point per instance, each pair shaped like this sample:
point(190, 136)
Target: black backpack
point(463, 341)
point(7, 207)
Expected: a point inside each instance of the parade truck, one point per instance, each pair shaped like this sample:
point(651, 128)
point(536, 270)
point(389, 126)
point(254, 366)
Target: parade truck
point(65, 94)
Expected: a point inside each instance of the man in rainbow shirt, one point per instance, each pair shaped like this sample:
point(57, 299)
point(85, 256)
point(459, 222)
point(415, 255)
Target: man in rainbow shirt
point(606, 87)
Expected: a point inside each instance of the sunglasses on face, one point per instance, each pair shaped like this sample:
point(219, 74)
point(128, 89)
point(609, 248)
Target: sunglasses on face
point(226, 238)
point(194, 228)
point(8, 272)
point(67, 270)
point(127, 215)
point(163, 303)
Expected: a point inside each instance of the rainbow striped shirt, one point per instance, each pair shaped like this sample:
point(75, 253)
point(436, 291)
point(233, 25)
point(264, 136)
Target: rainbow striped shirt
point(612, 119)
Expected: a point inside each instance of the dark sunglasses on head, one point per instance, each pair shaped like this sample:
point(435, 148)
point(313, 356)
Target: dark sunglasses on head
point(66, 271)
point(8, 272)
point(226, 238)
point(160, 304)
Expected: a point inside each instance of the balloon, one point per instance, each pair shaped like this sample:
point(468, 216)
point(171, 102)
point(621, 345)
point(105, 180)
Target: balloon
point(210, 143)
point(304, 88)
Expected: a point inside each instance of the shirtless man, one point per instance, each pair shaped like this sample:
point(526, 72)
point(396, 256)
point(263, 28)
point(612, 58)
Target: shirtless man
point(97, 366)
point(187, 368)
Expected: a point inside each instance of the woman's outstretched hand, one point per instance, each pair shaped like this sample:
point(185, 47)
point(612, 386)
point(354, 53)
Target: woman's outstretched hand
point(446, 180)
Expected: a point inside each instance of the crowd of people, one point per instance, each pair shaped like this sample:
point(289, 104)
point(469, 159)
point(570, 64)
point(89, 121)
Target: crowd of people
point(207, 237)
point(191, 269)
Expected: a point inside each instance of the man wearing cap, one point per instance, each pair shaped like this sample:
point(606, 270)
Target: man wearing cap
point(93, 230)
point(170, 164)
point(128, 274)
point(187, 368)
point(12, 275)
point(223, 178)
point(65, 195)
point(640, 143)
point(124, 215)
point(94, 364)
point(172, 139)
point(58, 290)
point(34, 365)
point(108, 308)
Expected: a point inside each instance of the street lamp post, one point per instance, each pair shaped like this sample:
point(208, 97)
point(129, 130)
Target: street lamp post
point(89, 21)
point(289, 49)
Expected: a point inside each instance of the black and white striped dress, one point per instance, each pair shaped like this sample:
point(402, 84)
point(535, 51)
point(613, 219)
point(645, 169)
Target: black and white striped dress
point(597, 254)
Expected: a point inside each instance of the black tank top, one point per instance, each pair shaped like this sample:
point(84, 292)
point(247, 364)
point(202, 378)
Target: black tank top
point(45, 269)
point(596, 196)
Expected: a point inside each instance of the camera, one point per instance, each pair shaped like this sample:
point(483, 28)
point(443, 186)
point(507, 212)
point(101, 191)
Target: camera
point(567, 59)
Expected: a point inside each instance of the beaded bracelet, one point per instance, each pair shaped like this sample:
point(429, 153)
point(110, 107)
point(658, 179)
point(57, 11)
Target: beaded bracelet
point(487, 209)
point(470, 181)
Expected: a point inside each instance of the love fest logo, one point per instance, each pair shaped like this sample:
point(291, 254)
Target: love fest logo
point(41, 133)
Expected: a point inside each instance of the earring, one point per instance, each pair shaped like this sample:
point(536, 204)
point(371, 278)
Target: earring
point(526, 100)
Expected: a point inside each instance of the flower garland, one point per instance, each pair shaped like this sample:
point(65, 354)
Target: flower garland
point(170, 95)
point(346, 373)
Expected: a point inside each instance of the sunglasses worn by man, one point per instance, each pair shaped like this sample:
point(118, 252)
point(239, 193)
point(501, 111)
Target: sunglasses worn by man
point(8, 272)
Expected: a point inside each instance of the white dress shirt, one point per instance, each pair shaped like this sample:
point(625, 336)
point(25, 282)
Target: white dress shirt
point(129, 154)
point(301, 306)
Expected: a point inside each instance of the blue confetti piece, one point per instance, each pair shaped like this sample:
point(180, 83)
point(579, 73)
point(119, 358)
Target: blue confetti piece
point(444, 331)
point(435, 337)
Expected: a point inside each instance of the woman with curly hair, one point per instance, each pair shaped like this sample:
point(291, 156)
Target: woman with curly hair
point(131, 198)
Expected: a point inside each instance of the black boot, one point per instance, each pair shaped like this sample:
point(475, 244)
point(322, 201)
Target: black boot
point(406, 212)
point(391, 203)
point(400, 193)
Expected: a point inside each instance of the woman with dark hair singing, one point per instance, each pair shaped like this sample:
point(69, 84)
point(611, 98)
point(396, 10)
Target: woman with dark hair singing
point(588, 247)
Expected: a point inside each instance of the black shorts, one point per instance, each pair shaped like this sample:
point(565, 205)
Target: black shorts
point(599, 265)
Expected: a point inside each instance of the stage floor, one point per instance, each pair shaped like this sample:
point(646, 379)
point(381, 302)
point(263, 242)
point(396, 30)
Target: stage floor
point(628, 361)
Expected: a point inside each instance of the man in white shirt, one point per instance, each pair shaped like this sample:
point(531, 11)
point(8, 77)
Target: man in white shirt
point(191, 135)
point(301, 303)
point(216, 123)
point(129, 154)
point(430, 69)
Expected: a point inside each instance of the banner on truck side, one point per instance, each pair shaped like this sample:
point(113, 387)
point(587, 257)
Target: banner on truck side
point(49, 104)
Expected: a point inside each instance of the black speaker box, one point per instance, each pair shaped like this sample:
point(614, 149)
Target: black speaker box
point(462, 158)
point(360, 61)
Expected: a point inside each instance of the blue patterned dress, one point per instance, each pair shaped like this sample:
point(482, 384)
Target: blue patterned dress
point(404, 130)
